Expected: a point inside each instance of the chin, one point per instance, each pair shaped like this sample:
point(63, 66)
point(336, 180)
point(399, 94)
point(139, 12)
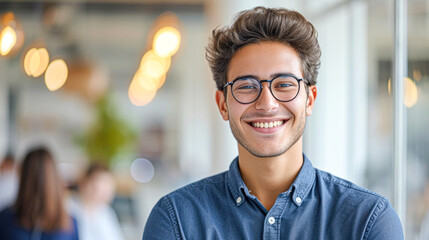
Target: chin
point(266, 154)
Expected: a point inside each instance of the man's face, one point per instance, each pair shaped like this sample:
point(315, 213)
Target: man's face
point(264, 60)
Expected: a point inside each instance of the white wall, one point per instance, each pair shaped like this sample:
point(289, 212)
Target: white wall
point(335, 138)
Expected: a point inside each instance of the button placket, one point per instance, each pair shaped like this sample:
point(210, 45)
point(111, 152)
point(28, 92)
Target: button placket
point(273, 219)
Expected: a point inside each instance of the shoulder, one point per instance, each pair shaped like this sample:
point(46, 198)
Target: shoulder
point(368, 208)
point(345, 194)
point(6, 215)
point(204, 188)
point(205, 182)
point(196, 194)
point(202, 194)
point(9, 229)
point(184, 205)
point(341, 187)
point(384, 223)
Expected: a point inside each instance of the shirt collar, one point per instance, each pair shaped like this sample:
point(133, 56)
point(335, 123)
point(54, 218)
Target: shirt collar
point(299, 189)
point(235, 183)
point(303, 182)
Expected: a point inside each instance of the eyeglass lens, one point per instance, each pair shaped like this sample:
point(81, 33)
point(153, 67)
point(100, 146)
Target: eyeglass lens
point(283, 88)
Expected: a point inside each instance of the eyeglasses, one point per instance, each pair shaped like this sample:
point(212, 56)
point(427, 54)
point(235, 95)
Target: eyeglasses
point(246, 90)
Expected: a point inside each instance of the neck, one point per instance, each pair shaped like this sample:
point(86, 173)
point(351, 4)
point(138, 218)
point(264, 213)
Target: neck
point(88, 203)
point(267, 177)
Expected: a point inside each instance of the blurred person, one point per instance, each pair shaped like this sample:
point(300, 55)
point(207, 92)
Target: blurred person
point(8, 181)
point(38, 212)
point(91, 206)
point(265, 66)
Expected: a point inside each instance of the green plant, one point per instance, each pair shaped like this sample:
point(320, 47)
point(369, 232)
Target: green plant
point(109, 135)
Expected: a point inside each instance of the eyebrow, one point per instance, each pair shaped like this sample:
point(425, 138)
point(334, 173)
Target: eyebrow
point(274, 75)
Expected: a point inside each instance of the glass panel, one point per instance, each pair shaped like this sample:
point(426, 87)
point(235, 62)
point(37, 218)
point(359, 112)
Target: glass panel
point(354, 115)
point(417, 102)
point(379, 170)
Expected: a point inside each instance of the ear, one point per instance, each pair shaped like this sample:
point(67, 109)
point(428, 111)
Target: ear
point(221, 104)
point(312, 94)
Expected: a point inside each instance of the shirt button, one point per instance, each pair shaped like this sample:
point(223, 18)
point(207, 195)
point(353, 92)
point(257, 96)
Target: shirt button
point(298, 199)
point(238, 200)
point(271, 220)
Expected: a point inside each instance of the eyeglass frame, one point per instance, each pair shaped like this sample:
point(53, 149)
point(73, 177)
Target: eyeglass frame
point(269, 87)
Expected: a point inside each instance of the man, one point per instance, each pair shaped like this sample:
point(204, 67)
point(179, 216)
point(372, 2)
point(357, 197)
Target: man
point(265, 66)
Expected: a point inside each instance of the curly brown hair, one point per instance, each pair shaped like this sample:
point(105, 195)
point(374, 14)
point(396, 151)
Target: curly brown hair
point(264, 24)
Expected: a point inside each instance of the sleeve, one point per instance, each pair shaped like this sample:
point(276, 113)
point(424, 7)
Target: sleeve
point(162, 222)
point(384, 223)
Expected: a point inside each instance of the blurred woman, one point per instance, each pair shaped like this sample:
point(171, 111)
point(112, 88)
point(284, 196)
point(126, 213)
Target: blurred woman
point(38, 212)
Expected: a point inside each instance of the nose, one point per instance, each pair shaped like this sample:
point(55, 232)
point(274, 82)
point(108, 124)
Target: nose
point(266, 100)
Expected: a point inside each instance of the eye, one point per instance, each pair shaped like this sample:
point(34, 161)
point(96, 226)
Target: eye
point(246, 85)
point(285, 83)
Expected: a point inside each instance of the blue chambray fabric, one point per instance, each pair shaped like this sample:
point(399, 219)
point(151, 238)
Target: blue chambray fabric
point(318, 205)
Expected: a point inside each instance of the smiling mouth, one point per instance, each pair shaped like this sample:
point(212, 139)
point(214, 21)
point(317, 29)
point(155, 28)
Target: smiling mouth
point(267, 124)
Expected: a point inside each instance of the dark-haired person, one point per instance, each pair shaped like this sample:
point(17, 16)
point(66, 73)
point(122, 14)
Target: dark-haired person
point(38, 212)
point(265, 66)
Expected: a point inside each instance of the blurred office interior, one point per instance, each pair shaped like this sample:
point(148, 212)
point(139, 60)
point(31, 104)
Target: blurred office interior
point(169, 133)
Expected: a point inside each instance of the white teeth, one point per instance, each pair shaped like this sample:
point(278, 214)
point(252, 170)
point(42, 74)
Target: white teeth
point(267, 124)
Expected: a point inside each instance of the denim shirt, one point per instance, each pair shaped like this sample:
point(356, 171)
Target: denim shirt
point(318, 205)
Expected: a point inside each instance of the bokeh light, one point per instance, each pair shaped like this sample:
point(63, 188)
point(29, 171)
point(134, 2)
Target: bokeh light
point(7, 40)
point(11, 34)
point(153, 65)
point(138, 95)
point(142, 170)
point(36, 61)
point(151, 73)
point(147, 82)
point(41, 61)
point(56, 74)
point(27, 60)
point(166, 41)
point(411, 92)
point(161, 81)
